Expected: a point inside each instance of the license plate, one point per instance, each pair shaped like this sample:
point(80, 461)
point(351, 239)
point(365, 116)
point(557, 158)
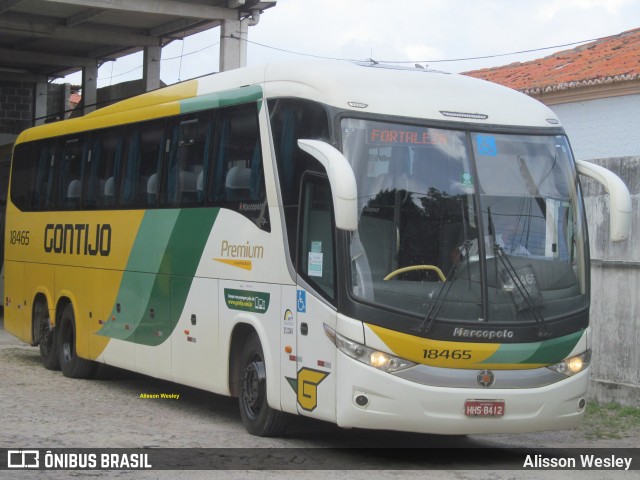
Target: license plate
point(484, 408)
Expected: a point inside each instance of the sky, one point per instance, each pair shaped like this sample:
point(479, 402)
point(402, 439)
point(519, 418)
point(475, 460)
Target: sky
point(429, 32)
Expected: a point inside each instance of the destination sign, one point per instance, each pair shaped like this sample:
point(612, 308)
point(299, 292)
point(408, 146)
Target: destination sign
point(404, 136)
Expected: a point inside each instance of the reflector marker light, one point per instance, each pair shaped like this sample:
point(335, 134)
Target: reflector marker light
point(474, 116)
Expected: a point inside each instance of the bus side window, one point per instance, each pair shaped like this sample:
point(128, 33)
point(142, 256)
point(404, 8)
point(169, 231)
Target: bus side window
point(70, 187)
point(101, 168)
point(25, 163)
point(291, 120)
point(142, 157)
point(317, 260)
point(237, 180)
point(187, 161)
point(44, 180)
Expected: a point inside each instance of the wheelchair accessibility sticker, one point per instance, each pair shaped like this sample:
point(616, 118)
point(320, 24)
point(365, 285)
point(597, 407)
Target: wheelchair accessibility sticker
point(486, 145)
point(302, 301)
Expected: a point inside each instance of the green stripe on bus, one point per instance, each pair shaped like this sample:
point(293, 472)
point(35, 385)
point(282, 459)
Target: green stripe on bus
point(146, 298)
point(547, 352)
point(145, 258)
point(555, 350)
point(251, 93)
point(150, 246)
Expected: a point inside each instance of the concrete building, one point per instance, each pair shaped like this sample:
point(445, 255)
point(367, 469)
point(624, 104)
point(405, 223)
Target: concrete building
point(595, 90)
point(46, 39)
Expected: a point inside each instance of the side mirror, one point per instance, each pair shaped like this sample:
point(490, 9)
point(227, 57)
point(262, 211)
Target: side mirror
point(344, 189)
point(619, 198)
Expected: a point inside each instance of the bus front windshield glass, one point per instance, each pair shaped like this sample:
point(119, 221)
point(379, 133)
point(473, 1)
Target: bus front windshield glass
point(437, 243)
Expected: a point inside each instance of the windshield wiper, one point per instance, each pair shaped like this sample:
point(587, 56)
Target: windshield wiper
point(543, 329)
point(427, 323)
point(516, 281)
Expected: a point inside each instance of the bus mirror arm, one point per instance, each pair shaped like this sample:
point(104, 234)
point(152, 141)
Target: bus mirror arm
point(619, 198)
point(344, 189)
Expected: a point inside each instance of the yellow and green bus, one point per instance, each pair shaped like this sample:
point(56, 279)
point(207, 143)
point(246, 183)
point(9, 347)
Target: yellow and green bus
point(377, 247)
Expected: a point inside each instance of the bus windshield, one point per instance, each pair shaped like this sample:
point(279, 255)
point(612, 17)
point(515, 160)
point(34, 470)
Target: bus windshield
point(464, 227)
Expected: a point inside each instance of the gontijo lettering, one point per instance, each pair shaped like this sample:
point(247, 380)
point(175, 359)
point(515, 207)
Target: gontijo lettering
point(78, 239)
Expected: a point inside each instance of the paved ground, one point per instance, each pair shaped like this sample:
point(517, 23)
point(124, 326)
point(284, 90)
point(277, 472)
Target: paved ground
point(43, 409)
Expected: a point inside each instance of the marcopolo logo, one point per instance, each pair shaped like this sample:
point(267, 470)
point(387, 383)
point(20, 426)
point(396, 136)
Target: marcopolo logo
point(485, 378)
point(239, 255)
point(478, 333)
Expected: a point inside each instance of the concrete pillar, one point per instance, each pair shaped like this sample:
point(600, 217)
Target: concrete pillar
point(40, 107)
point(244, 36)
point(89, 88)
point(230, 45)
point(66, 104)
point(151, 68)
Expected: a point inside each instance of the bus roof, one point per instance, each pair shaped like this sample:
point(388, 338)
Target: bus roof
point(366, 88)
point(408, 92)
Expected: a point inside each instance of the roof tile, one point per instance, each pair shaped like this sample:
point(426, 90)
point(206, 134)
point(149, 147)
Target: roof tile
point(609, 59)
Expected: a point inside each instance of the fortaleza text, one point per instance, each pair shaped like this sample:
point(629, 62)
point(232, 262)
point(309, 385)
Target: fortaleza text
point(610, 462)
point(169, 396)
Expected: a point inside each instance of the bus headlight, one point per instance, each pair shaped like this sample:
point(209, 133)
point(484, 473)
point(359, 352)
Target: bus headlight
point(375, 358)
point(571, 366)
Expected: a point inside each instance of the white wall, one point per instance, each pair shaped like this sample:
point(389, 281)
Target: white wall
point(604, 128)
point(615, 283)
point(607, 131)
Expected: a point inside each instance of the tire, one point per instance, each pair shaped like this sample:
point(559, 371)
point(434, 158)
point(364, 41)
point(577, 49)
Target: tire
point(46, 336)
point(71, 365)
point(258, 418)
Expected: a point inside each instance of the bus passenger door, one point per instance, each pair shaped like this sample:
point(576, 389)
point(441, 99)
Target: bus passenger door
point(316, 354)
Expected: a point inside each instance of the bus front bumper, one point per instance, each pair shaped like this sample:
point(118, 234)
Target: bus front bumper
point(372, 399)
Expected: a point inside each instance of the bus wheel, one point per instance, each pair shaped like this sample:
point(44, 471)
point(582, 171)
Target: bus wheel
point(46, 336)
point(71, 365)
point(258, 418)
